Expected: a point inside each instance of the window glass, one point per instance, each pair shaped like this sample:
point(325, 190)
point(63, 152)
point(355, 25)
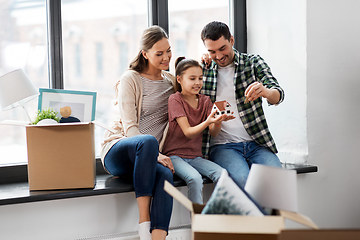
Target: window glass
point(100, 38)
point(23, 44)
point(186, 20)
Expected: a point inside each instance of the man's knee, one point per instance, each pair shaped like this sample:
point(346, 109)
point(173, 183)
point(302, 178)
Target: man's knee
point(239, 179)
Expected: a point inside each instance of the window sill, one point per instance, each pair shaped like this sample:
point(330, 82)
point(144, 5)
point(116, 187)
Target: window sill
point(18, 192)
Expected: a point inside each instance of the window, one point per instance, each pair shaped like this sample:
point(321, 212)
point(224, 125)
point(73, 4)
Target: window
point(78, 60)
point(186, 20)
point(107, 32)
point(123, 61)
point(98, 41)
point(23, 44)
point(99, 60)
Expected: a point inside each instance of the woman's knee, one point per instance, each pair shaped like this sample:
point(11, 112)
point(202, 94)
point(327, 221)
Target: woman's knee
point(165, 173)
point(148, 141)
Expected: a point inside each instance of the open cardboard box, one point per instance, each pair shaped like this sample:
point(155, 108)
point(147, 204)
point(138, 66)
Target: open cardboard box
point(60, 156)
point(212, 226)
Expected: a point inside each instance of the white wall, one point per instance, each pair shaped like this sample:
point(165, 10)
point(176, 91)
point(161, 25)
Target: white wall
point(326, 33)
point(77, 218)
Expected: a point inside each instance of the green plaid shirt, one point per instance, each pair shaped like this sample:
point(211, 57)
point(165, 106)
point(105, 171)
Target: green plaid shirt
point(248, 69)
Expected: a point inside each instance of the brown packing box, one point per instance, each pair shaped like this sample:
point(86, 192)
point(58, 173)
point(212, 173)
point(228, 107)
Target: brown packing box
point(229, 227)
point(303, 234)
point(61, 156)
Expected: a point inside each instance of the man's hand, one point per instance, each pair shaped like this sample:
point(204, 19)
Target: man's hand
point(166, 161)
point(256, 90)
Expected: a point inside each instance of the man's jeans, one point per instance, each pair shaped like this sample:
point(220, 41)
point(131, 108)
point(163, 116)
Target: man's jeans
point(190, 171)
point(237, 158)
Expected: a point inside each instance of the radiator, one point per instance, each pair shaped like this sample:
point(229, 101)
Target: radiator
point(175, 233)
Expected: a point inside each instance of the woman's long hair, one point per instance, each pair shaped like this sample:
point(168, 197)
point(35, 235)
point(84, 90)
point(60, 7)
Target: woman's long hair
point(149, 37)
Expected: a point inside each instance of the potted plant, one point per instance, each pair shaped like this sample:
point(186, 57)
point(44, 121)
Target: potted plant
point(46, 116)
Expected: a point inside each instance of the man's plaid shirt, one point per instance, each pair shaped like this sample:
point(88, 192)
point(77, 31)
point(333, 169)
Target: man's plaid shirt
point(248, 69)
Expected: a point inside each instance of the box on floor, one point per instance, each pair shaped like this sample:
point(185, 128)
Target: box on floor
point(229, 227)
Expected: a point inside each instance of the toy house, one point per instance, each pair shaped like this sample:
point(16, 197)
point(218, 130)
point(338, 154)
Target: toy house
point(222, 107)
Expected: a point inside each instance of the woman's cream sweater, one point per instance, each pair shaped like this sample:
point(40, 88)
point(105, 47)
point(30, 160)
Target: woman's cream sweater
point(130, 92)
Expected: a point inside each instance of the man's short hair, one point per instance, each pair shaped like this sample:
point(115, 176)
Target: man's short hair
point(214, 30)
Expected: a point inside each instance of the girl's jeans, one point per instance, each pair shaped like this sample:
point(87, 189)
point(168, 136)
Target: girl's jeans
point(190, 171)
point(138, 155)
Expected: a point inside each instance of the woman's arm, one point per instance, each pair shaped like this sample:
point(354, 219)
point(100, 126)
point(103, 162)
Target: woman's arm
point(129, 102)
point(166, 161)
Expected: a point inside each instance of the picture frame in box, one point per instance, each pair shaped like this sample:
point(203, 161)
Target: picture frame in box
point(82, 103)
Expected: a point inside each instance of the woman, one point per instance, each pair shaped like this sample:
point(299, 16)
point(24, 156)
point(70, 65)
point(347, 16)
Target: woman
point(143, 93)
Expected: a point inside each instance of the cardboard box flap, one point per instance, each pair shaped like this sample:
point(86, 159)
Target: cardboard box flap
point(218, 223)
point(59, 124)
point(104, 126)
point(297, 217)
point(170, 189)
point(27, 124)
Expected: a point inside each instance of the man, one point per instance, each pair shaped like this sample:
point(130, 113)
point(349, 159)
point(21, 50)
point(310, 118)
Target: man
point(242, 80)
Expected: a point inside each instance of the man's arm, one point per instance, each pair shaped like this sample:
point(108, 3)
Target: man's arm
point(256, 90)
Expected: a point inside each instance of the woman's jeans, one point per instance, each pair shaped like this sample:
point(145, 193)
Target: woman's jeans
point(237, 158)
point(190, 171)
point(138, 155)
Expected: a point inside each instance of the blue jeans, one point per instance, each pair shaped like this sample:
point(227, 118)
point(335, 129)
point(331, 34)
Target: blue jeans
point(237, 158)
point(138, 155)
point(190, 171)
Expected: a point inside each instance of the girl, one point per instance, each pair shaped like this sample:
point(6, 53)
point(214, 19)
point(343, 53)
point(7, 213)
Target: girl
point(189, 114)
point(143, 93)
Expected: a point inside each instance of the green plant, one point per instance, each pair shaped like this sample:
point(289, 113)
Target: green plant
point(48, 113)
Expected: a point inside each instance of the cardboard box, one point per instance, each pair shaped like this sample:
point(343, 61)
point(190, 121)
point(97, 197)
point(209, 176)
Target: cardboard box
point(322, 234)
point(212, 226)
point(61, 156)
point(303, 234)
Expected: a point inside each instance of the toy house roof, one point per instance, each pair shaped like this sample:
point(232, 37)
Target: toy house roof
point(221, 105)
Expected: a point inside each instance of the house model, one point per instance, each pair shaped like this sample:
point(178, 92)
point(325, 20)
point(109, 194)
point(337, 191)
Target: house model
point(222, 107)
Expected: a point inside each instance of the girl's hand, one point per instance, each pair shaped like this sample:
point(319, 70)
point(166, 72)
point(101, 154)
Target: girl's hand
point(214, 118)
point(166, 161)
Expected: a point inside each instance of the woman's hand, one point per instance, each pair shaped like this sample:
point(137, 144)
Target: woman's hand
point(166, 161)
point(206, 59)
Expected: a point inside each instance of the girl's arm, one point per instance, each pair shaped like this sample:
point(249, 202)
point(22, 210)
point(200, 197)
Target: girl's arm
point(191, 132)
point(214, 129)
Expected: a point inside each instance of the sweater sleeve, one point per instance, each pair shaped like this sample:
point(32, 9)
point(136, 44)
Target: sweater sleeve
point(129, 100)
